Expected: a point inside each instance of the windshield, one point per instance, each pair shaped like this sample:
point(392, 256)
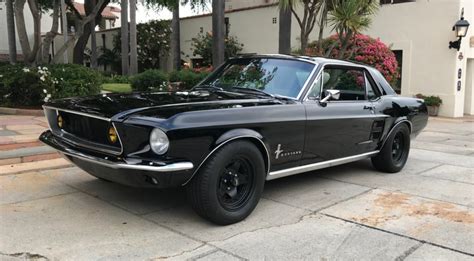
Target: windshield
point(271, 75)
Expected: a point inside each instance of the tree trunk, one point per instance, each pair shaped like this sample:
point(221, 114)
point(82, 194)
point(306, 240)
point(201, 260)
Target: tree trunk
point(284, 33)
point(218, 32)
point(175, 38)
point(80, 46)
point(133, 39)
point(36, 13)
point(124, 36)
point(48, 39)
point(21, 28)
point(11, 32)
point(93, 45)
point(80, 24)
point(304, 41)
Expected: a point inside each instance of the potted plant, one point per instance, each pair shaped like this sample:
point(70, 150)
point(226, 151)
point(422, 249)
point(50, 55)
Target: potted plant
point(432, 102)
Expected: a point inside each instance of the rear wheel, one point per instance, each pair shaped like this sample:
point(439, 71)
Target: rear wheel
point(229, 185)
point(394, 154)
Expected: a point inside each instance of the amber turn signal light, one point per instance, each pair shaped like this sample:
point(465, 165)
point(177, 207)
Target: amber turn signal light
point(60, 121)
point(112, 134)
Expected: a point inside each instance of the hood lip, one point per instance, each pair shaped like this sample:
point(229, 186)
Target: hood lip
point(122, 116)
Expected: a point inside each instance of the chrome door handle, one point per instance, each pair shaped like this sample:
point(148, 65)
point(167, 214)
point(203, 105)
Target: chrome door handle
point(366, 107)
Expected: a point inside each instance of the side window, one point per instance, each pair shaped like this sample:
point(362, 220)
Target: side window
point(372, 92)
point(349, 81)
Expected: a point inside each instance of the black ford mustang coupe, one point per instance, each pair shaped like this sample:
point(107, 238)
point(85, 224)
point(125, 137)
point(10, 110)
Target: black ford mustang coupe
point(256, 118)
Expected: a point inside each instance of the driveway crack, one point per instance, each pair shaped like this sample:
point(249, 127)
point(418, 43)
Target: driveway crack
point(25, 255)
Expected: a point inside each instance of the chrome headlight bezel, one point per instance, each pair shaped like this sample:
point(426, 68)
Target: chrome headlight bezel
point(159, 142)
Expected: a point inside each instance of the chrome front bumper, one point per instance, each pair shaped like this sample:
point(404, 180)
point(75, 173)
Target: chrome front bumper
point(133, 172)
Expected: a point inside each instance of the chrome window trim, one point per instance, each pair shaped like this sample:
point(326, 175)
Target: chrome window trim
point(319, 165)
point(225, 142)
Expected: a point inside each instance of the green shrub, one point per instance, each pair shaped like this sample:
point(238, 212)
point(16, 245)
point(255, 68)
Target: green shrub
point(116, 78)
point(430, 100)
point(22, 86)
point(187, 78)
point(75, 80)
point(149, 80)
point(202, 46)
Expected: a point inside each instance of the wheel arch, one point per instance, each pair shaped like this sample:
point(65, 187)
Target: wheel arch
point(397, 122)
point(233, 135)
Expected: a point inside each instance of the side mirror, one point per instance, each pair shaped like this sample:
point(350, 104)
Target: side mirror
point(330, 95)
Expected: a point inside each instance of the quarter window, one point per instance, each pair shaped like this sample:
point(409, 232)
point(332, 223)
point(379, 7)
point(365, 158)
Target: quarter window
point(386, 2)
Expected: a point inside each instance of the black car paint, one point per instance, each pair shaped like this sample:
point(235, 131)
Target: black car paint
point(199, 122)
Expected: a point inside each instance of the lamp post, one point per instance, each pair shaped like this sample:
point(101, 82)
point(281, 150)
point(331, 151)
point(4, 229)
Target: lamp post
point(460, 28)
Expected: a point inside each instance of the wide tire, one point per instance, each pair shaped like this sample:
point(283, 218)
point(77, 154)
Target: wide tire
point(394, 154)
point(228, 186)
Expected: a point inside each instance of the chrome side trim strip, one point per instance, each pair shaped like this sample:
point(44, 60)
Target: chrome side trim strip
point(77, 112)
point(319, 165)
point(225, 142)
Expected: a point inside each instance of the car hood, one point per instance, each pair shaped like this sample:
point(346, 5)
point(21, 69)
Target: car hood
point(160, 104)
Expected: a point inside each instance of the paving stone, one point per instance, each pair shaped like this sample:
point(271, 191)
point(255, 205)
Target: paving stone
point(442, 147)
point(266, 214)
point(433, 253)
point(28, 186)
point(7, 133)
point(441, 157)
point(437, 222)
point(29, 151)
point(4, 147)
point(31, 166)
point(10, 161)
point(450, 172)
point(317, 238)
point(81, 227)
point(18, 139)
point(41, 157)
point(136, 200)
point(30, 132)
point(201, 251)
point(361, 173)
point(33, 126)
point(309, 191)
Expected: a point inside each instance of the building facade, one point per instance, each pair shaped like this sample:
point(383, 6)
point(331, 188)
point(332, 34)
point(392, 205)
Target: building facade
point(418, 31)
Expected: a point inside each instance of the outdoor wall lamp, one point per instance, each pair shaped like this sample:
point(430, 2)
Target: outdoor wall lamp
point(460, 28)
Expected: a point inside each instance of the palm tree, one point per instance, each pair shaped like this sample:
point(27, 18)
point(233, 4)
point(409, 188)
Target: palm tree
point(284, 31)
point(218, 32)
point(124, 36)
point(133, 39)
point(348, 18)
point(175, 36)
point(11, 31)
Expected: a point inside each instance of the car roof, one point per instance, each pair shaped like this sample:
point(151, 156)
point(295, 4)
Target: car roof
point(312, 59)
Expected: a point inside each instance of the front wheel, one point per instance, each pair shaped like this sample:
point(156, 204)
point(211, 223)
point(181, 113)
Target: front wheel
point(394, 154)
point(228, 186)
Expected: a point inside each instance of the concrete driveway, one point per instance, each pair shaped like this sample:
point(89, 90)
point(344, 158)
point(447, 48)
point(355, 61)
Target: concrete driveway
point(351, 212)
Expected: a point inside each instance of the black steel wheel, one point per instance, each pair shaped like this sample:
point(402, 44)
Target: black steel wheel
point(394, 154)
point(228, 186)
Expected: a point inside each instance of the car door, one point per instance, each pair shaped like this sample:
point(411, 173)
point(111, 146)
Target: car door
point(343, 127)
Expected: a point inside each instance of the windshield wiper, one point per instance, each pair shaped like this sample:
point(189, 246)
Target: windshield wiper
point(257, 91)
point(207, 87)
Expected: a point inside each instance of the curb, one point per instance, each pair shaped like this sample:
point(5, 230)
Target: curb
point(15, 111)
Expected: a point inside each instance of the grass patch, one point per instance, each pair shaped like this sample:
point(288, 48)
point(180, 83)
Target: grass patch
point(117, 87)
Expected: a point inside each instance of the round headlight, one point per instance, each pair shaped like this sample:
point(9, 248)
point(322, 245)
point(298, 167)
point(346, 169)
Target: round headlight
point(159, 142)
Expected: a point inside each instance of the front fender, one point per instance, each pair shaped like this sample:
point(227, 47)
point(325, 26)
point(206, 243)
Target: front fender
point(237, 134)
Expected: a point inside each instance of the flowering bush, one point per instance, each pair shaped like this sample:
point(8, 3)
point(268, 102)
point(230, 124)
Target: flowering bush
point(202, 46)
point(153, 40)
point(31, 86)
point(364, 49)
